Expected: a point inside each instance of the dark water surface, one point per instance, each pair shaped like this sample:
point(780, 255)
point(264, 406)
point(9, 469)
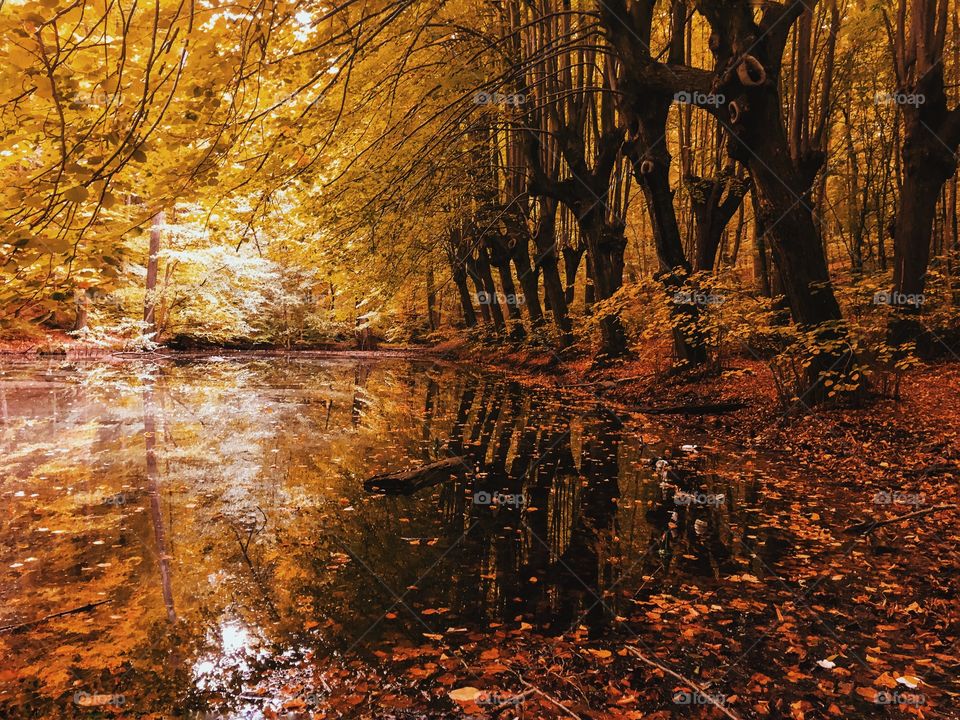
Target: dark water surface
point(218, 505)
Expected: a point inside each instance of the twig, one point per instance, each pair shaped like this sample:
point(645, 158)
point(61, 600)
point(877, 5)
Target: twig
point(699, 688)
point(868, 526)
point(79, 608)
point(510, 702)
point(549, 698)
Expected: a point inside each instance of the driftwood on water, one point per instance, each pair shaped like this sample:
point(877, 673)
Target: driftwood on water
point(406, 482)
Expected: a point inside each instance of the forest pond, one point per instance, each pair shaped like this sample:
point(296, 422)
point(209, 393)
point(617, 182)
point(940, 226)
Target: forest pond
point(214, 510)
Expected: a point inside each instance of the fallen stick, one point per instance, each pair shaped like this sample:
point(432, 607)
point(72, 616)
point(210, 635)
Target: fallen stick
point(406, 482)
point(550, 699)
point(699, 688)
point(71, 611)
point(510, 702)
point(868, 526)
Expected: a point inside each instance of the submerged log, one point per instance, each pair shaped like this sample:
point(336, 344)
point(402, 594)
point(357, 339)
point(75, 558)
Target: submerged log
point(407, 482)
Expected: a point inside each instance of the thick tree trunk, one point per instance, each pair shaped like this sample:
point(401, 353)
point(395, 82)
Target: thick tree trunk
point(931, 135)
point(527, 278)
point(605, 247)
point(707, 238)
point(911, 252)
point(545, 240)
point(571, 265)
point(463, 292)
point(786, 213)
point(761, 272)
point(651, 164)
point(510, 295)
point(481, 293)
point(748, 76)
point(489, 289)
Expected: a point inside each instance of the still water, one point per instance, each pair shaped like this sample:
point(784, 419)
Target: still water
point(214, 511)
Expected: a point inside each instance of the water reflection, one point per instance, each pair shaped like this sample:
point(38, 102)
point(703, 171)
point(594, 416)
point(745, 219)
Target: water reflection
point(219, 505)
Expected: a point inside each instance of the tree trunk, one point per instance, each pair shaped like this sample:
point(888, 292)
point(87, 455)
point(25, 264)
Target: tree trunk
point(510, 296)
point(605, 247)
point(712, 213)
point(463, 292)
point(651, 164)
point(489, 288)
point(911, 251)
point(153, 263)
point(432, 315)
point(761, 273)
point(481, 293)
point(930, 138)
point(81, 301)
point(571, 265)
point(527, 278)
point(747, 74)
point(545, 240)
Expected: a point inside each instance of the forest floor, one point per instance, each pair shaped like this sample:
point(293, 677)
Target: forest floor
point(848, 624)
